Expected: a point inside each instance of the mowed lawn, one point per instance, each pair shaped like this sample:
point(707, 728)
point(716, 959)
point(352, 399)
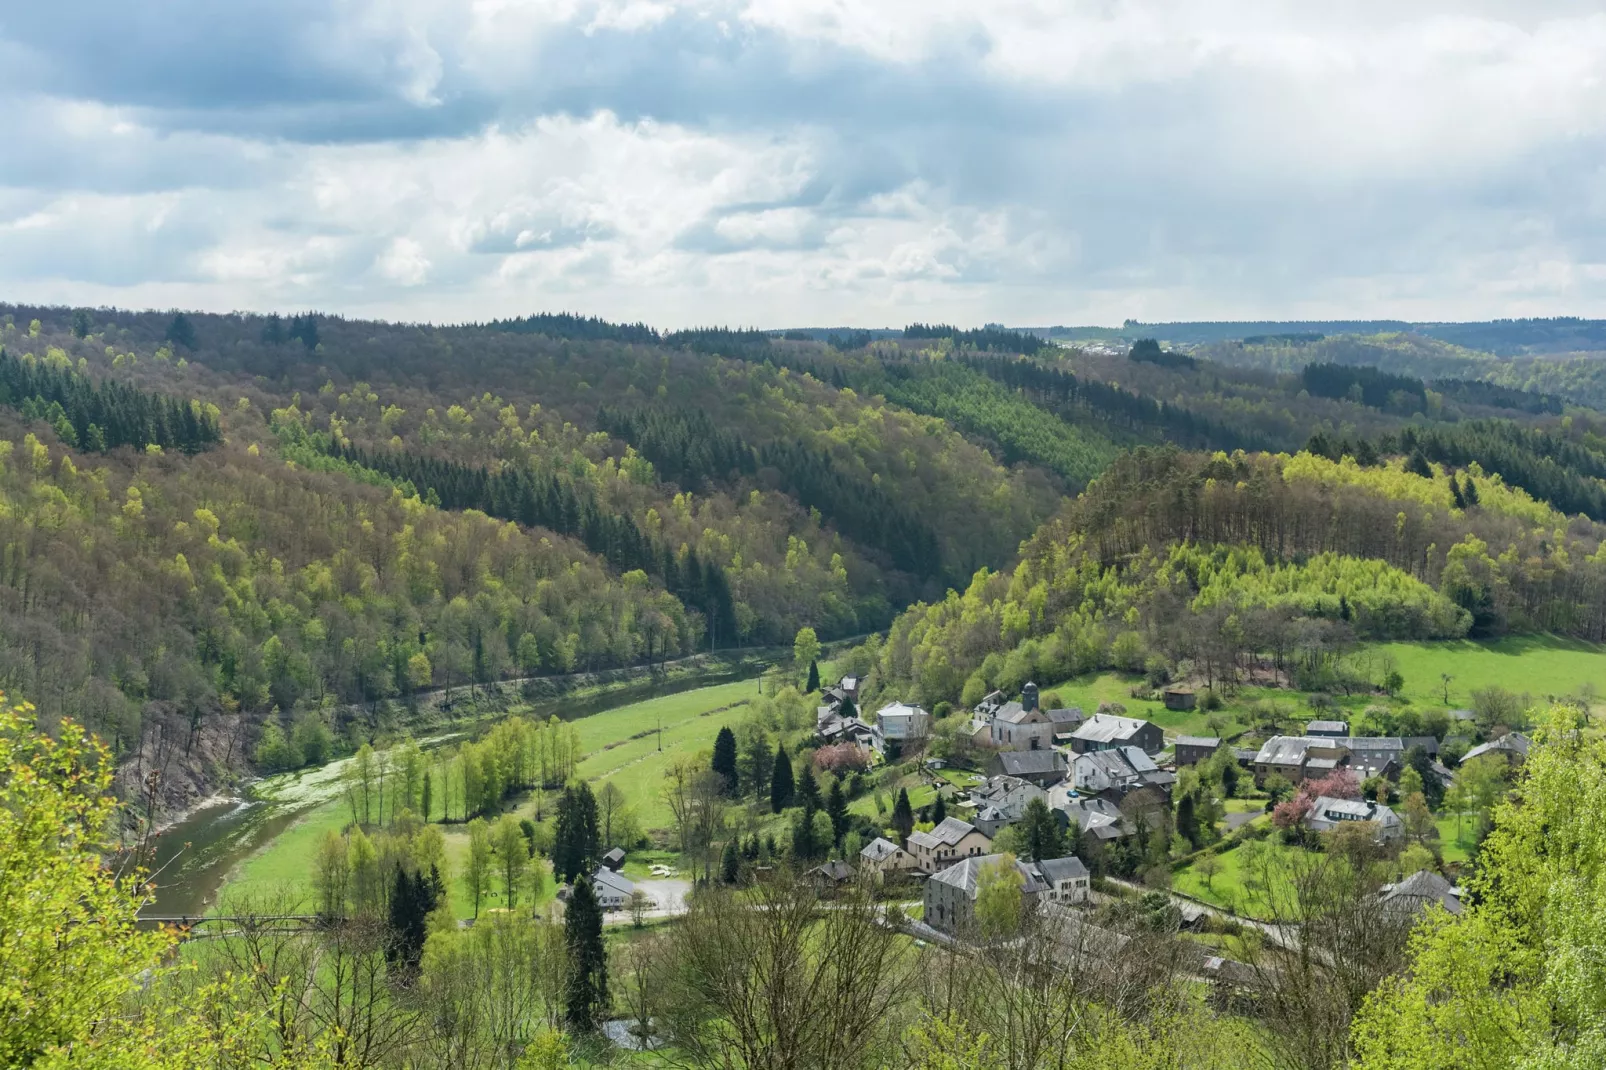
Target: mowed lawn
point(690, 720)
point(1538, 665)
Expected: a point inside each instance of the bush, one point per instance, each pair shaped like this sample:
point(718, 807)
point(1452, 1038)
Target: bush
point(1209, 700)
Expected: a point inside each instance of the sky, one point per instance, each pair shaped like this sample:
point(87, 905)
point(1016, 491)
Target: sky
point(807, 162)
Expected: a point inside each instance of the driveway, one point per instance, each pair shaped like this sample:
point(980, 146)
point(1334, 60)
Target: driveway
point(668, 899)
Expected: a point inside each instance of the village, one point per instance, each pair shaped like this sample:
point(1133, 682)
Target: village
point(1074, 812)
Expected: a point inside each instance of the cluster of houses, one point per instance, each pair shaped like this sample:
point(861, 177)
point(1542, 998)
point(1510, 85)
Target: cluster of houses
point(836, 720)
point(1100, 771)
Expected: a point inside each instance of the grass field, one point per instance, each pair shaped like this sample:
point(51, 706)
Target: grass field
point(1226, 888)
point(620, 745)
point(1538, 665)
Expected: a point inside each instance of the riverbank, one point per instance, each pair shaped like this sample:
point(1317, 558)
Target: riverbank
point(220, 843)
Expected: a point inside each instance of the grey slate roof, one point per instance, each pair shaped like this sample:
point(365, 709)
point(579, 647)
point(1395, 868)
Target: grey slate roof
point(1054, 870)
point(1511, 743)
point(615, 882)
point(1421, 889)
point(879, 850)
point(1326, 812)
point(1019, 763)
point(1327, 728)
point(1198, 741)
point(966, 875)
point(1108, 728)
point(834, 870)
point(950, 832)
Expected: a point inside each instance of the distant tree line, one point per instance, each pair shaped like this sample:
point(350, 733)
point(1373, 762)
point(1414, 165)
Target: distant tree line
point(542, 499)
point(584, 328)
point(741, 344)
point(988, 339)
point(1369, 386)
point(303, 329)
point(102, 416)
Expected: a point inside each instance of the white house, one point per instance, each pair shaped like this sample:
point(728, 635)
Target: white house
point(1328, 813)
point(613, 890)
point(1067, 879)
point(902, 722)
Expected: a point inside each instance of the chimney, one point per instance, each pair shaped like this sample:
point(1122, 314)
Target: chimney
point(1028, 696)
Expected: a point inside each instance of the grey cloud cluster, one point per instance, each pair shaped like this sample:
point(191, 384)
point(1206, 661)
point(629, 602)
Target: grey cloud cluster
point(785, 161)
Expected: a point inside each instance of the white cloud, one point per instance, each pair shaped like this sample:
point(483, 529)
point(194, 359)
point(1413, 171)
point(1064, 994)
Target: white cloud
point(787, 161)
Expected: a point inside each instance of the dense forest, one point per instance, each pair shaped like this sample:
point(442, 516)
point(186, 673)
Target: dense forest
point(305, 512)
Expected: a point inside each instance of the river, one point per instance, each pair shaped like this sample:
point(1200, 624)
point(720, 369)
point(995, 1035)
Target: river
point(194, 857)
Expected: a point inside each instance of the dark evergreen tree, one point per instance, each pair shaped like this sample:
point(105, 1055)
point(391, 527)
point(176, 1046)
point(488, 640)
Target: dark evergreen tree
point(848, 709)
point(412, 898)
point(1432, 787)
point(81, 323)
point(1456, 497)
point(1418, 464)
point(575, 843)
point(781, 781)
point(803, 845)
point(428, 798)
point(1041, 832)
point(836, 805)
point(724, 761)
point(1187, 819)
point(808, 790)
point(814, 678)
point(903, 815)
point(586, 1002)
point(273, 330)
point(1469, 493)
point(730, 863)
point(181, 331)
point(939, 809)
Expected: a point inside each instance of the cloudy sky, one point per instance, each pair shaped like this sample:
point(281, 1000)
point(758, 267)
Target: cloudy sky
point(807, 162)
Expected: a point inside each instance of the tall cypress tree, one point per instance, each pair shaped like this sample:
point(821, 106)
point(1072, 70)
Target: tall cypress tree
point(587, 997)
point(903, 815)
point(724, 762)
point(814, 677)
point(574, 841)
point(781, 782)
point(836, 804)
point(939, 809)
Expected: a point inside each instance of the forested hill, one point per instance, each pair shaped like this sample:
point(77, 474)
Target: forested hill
point(1174, 558)
point(212, 514)
point(203, 516)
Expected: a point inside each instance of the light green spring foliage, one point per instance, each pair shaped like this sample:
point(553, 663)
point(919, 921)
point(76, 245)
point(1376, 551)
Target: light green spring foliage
point(1067, 614)
point(80, 986)
point(1519, 978)
point(1391, 480)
